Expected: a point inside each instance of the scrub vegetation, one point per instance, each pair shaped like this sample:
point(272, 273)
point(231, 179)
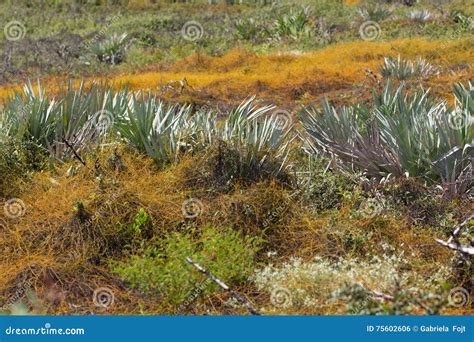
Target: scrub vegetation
point(313, 165)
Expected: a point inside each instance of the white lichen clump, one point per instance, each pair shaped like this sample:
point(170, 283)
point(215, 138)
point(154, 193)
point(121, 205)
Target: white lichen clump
point(313, 284)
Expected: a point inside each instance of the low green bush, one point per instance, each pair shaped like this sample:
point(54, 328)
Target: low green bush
point(160, 268)
point(326, 188)
point(17, 160)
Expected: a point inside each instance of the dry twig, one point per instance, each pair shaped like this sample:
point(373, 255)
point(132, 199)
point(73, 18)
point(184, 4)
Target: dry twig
point(219, 282)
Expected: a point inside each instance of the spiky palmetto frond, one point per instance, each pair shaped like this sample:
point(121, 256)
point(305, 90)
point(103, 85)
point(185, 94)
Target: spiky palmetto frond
point(77, 117)
point(113, 49)
point(403, 69)
point(295, 25)
point(71, 116)
point(400, 135)
point(153, 127)
point(256, 133)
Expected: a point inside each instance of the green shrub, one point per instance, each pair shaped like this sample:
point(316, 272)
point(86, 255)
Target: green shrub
point(160, 268)
point(325, 188)
point(133, 233)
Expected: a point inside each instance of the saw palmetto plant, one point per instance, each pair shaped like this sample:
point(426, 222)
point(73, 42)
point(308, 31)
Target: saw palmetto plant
point(403, 69)
point(375, 13)
point(165, 132)
point(400, 135)
point(77, 117)
point(295, 25)
point(256, 134)
point(72, 119)
point(154, 127)
point(69, 121)
point(112, 49)
point(420, 16)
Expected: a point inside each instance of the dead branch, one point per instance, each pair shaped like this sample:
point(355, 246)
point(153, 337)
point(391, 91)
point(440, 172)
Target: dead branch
point(453, 241)
point(457, 247)
point(219, 282)
point(78, 157)
point(377, 294)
